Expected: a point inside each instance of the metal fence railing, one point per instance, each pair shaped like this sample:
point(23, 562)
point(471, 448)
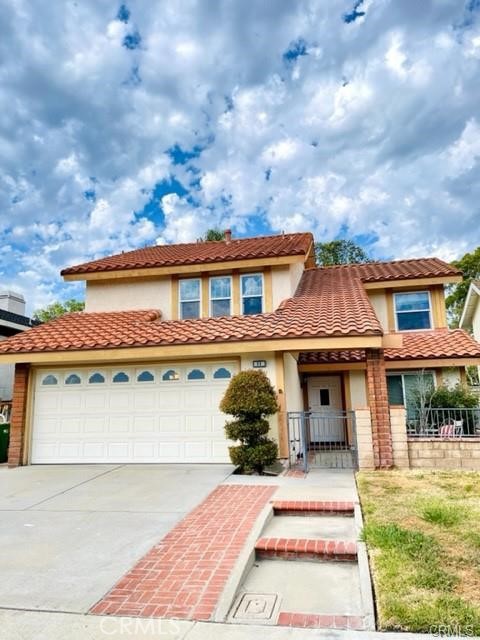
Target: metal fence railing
point(444, 423)
point(322, 439)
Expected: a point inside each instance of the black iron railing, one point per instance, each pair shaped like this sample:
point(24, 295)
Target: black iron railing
point(444, 423)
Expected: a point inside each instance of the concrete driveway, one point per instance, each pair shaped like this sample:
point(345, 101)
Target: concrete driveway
point(69, 532)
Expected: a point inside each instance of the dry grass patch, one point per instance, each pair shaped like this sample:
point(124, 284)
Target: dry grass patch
point(422, 531)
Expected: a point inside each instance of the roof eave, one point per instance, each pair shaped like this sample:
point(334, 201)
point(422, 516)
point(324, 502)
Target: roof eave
point(471, 302)
point(195, 349)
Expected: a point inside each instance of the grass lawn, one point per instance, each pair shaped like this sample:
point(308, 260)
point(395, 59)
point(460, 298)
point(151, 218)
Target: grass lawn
point(422, 530)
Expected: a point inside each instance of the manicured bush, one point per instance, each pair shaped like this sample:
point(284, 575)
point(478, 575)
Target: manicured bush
point(250, 398)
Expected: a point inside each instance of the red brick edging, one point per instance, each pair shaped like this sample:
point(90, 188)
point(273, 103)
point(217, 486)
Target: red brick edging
point(316, 621)
point(310, 507)
point(184, 574)
point(303, 548)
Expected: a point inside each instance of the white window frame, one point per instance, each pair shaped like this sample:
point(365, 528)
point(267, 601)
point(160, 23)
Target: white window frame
point(212, 299)
point(248, 275)
point(395, 312)
point(180, 298)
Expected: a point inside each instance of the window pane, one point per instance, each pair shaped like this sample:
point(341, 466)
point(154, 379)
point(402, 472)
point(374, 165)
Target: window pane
point(221, 307)
point(413, 320)
point(50, 379)
point(395, 389)
point(171, 375)
point(416, 385)
point(121, 377)
point(324, 397)
point(196, 374)
point(222, 373)
point(220, 287)
point(73, 379)
point(96, 378)
point(252, 285)
point(252, 305)
point(417, 301)
point(189, 289)
point(145, 376)
point(190, 310)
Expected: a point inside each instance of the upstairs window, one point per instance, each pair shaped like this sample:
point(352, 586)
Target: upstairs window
point(189, 295)
point(412, 311)
point(220, 296)
point(252, 293)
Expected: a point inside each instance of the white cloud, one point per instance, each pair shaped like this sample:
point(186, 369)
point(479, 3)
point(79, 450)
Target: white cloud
point(375, 129)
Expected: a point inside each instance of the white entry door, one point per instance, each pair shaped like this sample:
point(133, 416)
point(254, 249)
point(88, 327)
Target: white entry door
point(156, 413)
point(325, 399)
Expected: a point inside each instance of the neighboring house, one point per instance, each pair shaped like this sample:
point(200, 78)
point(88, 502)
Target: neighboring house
point(12, 321)
point(138, 376)
point(470, 319)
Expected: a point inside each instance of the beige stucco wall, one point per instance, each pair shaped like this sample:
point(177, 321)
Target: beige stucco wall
point(450, 377)
point(285, 281)
point(439, 454)
point(134, 294)
point(293, 390)
point(378, 300)
point(246, 363)
point(358, 389)
point(281, 285)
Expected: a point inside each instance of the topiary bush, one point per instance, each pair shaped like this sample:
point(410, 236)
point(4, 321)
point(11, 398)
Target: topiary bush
point(250, 398)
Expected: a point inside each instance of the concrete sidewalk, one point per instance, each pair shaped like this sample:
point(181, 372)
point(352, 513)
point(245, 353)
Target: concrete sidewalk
point(42, 625)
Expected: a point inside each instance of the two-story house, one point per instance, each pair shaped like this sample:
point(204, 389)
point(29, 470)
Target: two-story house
point(138, 376)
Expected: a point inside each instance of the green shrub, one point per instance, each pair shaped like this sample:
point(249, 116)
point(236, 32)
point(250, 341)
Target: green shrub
point(250, 398)
point(457, 397)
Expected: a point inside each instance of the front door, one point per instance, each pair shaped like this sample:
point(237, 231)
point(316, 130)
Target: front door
point(325, 403)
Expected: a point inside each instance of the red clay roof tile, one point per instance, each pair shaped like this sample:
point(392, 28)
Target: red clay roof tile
point(417, 345)
point(167, 255)
point(399, 269)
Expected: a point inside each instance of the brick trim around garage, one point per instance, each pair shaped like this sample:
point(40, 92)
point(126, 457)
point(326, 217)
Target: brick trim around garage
point(18, 419)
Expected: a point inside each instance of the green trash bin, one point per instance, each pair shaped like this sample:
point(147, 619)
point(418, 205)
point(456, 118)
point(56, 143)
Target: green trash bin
point(4, 439)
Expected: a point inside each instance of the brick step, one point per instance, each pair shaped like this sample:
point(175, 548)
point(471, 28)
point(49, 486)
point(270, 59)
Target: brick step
point(320, 621)
point(305, 549)
point(311, 508)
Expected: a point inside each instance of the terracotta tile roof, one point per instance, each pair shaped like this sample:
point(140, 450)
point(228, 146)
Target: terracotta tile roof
point(440, 343)
point(421, 345)
point(167, 255)
point(399, 269)
point(325, 304)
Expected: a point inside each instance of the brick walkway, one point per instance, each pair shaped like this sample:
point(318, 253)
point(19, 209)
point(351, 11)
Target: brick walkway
point(185, 573)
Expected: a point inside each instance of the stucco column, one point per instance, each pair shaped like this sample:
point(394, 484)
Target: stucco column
point(379, 410)
point(18, 418)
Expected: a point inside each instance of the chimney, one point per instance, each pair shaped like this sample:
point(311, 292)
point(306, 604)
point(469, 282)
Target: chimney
point(13, 302)
point(228, 235)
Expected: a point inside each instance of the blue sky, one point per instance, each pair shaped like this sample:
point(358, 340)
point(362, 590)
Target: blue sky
point(135, 123)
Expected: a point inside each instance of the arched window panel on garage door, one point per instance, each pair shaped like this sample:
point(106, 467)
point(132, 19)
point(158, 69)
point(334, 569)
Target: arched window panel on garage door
point(73, 378)
point(196, 374)
point(145, 376)
point(171, 375)
point(120, 376)
point(96, 378)
point(49, 380)
point(222, 374)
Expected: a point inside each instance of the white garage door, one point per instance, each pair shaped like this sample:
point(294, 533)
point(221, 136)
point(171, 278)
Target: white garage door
point(165, 413)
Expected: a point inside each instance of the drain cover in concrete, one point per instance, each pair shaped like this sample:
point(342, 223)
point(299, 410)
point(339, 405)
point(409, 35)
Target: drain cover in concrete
point(251, 607)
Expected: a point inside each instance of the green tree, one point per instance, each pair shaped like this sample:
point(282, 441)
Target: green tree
point(339, 252)
point(250, 398)
point(469, 264)
point(214, 234)
point(57, 309)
